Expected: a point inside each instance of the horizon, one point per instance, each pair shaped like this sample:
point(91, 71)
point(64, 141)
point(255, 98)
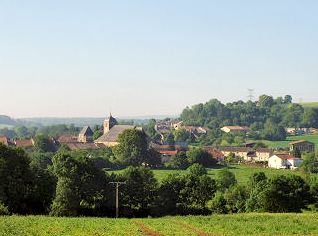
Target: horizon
point(78, 59)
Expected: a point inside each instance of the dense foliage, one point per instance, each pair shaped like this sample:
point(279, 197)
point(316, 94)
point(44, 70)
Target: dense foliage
point(72, 183)
point(267, 117)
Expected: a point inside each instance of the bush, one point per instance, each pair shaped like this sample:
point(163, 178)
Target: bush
point(4, 210)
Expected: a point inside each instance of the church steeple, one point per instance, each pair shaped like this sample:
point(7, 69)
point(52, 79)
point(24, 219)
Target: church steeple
point(109, 123)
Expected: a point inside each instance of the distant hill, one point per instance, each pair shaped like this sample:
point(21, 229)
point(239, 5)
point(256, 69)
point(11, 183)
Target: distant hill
point(310, 104)
point(6, 120)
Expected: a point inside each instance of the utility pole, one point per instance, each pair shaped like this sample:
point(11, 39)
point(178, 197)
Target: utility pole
point(250, 94)
point(117, 195)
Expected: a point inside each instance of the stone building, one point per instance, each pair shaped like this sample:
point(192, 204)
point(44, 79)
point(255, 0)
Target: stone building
point(86, 135)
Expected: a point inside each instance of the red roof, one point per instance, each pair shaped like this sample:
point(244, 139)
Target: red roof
point(24, 143)
point(67, 138)
point(287, 157)
point(168, 153)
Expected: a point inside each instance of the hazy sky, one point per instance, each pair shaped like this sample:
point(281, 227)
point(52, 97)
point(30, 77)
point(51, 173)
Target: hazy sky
point(86, 58)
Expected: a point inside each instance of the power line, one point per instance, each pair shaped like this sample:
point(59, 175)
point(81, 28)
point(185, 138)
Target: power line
point(117, 183)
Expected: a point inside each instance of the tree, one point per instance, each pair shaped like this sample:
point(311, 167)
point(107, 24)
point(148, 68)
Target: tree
point(200, 156)
point(139, 191)
point(236, 197)
point(225, 179)
point(288, 99)
point(132, 148)
point(178, 161)
point(197, 190)
point(16, 180)
point(42, 143)
point(310, 163)
point(280, 194)
point(265, 101)
point(182, 135)
point(218, 204)
point(67, 199)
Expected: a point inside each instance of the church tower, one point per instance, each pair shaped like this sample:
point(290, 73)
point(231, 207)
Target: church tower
point(109, 123)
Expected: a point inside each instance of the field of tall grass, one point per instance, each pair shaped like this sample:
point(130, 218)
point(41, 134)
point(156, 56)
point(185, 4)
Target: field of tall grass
point(237, 224)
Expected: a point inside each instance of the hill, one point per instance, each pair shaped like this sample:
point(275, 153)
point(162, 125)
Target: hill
point(6, 120)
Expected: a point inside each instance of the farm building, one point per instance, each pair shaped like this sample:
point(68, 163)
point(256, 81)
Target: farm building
point(302, 146)
point(284, 161)
point(248, 154)
point(235, 129)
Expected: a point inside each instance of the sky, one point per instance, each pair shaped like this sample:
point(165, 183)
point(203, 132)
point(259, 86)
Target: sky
point(80, 58)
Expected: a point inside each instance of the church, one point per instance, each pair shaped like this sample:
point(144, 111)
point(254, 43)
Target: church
point(112, 130)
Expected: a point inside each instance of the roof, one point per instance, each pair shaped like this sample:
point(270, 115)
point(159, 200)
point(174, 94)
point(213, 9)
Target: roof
point(287, 157)
point(215, 153)
point(82, 146)
point(113, 133)
point(67, 138)
point(168, 153)
point(243, 128)
point(4, 140)
point(299, 141)
point(87, 131)
point(24, 143)
point(235, 149)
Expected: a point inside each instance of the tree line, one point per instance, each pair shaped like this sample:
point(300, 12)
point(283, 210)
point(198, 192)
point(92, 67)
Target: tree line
point(76, 184)
point(267, 117)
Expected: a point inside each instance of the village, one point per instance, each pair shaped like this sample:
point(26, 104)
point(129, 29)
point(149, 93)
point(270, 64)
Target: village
point(247, 153)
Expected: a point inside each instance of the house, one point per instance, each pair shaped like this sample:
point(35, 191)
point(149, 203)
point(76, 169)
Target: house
point(217, 154)
point(302, 146)
point(4, 140)
point(248, 154)
point(24, 143)
point(284, 161)
point(67, 138)
point(177, 125)
point(297, 131)
point(111, 132)
point(86, 135)
point(235, 129)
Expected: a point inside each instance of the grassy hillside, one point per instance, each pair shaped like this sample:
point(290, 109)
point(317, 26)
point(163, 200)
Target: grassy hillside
point(283, 144)
point(237, 224)
point(310, 104)
point(242, 172)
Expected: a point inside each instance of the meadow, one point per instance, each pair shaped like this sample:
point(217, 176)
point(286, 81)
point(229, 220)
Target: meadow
point(236, 224)
point(242, 172)
point(284, 144)
point(310, 104)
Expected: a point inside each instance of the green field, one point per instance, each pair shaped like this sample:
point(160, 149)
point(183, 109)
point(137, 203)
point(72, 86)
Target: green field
point(310, 104)
point(6, 126)
point(236, 224)
point(242, 172)
point(284, 144)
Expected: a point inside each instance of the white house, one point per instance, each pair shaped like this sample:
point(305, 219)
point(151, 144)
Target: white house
point(284, 161)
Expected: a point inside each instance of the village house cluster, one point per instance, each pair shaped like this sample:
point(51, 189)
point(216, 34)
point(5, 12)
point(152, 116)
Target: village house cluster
point(247, 152)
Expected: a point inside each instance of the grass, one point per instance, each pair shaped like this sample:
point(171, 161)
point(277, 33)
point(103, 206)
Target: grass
point(284, 144)
point(242, 172)
point(6, 126)
point(310, 104)
point(236, 224)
